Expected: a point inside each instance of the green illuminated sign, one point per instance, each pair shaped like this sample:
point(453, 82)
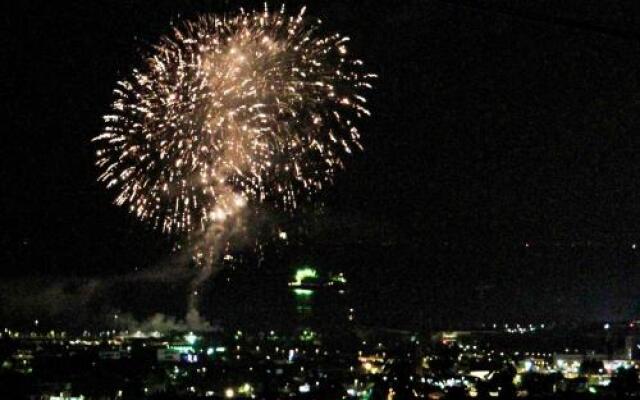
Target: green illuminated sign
point(303, 292)
point(304, 274)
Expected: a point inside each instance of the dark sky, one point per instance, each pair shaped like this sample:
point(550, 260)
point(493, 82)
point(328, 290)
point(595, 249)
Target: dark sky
point(500, 177)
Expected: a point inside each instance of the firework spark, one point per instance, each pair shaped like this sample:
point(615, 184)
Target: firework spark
point(227, 111)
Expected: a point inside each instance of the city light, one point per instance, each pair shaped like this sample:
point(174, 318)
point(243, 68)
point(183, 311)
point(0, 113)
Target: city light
point(304, 274)
point(303, 292)
point(305, 388)
point(191, 338)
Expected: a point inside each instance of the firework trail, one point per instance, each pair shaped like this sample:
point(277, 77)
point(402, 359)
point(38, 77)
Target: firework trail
point(225, 112)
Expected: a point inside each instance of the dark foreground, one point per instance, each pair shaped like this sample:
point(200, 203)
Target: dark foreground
point(528, 361)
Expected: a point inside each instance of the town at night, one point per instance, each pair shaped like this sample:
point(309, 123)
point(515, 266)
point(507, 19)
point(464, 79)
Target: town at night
point(220, 199)
point(313, 360)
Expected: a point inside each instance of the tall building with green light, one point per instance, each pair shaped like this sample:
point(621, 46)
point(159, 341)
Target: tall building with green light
point(321, 299)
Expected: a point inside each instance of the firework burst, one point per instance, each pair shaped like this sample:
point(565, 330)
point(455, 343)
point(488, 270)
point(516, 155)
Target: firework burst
point(228, 111)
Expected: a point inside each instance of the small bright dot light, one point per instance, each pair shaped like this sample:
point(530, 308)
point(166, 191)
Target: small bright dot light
point(190, 338)
point(229, 393)
point(304, 388)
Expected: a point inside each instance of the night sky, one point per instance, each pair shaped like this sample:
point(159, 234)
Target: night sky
point(500, 179)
